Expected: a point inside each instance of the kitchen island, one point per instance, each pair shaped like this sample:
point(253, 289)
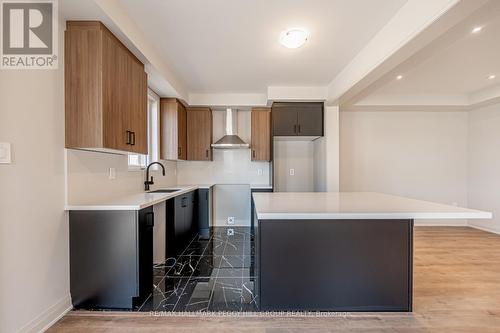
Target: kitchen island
point(350, 251)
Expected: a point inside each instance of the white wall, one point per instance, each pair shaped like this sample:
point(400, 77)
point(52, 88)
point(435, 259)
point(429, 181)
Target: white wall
point(422, 155)
point(232, 200)
point(34, 263)
point(484, 165)
point(296, 155)
point(319, 156)
point(88, 179)
point(332, 146)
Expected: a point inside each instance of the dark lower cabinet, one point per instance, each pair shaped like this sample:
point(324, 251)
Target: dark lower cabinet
point(111, 258)
point(203, 212)
point(180, 220)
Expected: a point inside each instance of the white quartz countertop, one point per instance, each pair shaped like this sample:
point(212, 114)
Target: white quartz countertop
point(135, 201)
point(354, 205)
point(261, 186)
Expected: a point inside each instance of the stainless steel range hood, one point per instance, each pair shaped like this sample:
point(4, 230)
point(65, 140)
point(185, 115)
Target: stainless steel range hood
point(230, 140)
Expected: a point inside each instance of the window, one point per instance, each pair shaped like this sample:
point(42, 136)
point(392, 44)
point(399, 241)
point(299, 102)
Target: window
point(139, 161)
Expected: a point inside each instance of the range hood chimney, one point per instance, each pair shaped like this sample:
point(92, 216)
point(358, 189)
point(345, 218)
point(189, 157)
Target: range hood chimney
point(230, 140)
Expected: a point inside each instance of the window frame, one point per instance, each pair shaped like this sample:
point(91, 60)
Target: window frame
point(137, 162)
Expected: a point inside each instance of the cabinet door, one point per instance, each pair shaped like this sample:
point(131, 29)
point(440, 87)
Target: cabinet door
point(202, 216)
point(82, 87)
point(115, 89)
point(172, 129)
point(181, 132)
point(199, 134)
point(284, 121)
point(310, 119)
point(261, 134)
point(145, 248)
point(138, 118)
point(189, 215)
point(179, 229)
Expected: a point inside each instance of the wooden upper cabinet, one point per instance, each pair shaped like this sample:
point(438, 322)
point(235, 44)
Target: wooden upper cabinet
point(105, 91)
point(261, 134)
point(199, 134)
point(173, 137)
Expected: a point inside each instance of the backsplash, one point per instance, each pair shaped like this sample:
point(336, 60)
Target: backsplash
point(230, 166)
point(88, 176)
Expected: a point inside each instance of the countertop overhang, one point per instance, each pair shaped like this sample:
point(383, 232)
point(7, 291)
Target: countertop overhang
point(354, 205)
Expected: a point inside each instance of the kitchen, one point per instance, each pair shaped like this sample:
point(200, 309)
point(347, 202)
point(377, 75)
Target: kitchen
point(177, 166)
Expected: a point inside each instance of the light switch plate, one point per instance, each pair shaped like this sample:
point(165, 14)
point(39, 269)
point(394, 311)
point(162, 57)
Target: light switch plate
point(230, 220)
point(259, 172)
point(292, 172)
point(5, 153)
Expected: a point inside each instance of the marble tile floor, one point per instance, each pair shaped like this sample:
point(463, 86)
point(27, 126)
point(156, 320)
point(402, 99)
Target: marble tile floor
point(211, 274)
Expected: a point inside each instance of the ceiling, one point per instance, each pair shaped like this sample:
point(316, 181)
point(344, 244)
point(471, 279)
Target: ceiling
point(226, 46)
point(459, 63)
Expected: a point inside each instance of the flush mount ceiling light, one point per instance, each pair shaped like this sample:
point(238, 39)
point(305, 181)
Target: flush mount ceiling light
point(294, 38)
point(492, 76)
point(399, 77)
point(477, 30)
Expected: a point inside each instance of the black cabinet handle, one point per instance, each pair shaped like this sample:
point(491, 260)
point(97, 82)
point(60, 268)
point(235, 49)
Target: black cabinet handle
point(128, 137)
point(253, 153)
point(206, 153)
point(179, 151)
point(133, 139)
point(295, 129)
point(299, 128)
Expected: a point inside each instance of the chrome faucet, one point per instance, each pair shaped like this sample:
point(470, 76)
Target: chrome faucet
point(150, 182)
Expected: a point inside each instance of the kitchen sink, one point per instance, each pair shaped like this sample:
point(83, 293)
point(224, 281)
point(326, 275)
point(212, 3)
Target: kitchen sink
point(166, 190)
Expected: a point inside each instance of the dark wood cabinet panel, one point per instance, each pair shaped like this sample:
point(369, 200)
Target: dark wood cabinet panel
point(199, 134)
point(105, 91)
point(180, 223)
point(173, 122)
point(284, 121)
point(115, 269)
point(182, 133)
point(310, 120)
point(297, 119)
point(203, 211)
point(261, 134)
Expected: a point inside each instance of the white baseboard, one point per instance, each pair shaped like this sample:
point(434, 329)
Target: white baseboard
point(484, 229)
point(48, 317)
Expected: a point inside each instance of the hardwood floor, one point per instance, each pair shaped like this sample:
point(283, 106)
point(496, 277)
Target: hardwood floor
point(456, 289)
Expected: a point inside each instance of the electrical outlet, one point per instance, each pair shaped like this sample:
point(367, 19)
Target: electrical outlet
point(292, 172)
point(259, 172)
point(230, 220)
point(230, 232)
point(112, 173)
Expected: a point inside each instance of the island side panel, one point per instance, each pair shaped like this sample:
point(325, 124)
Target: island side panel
point(335, 265)
point(103, 259)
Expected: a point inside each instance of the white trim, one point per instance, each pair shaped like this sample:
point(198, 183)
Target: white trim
point(49, 317)
point(484, 229)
